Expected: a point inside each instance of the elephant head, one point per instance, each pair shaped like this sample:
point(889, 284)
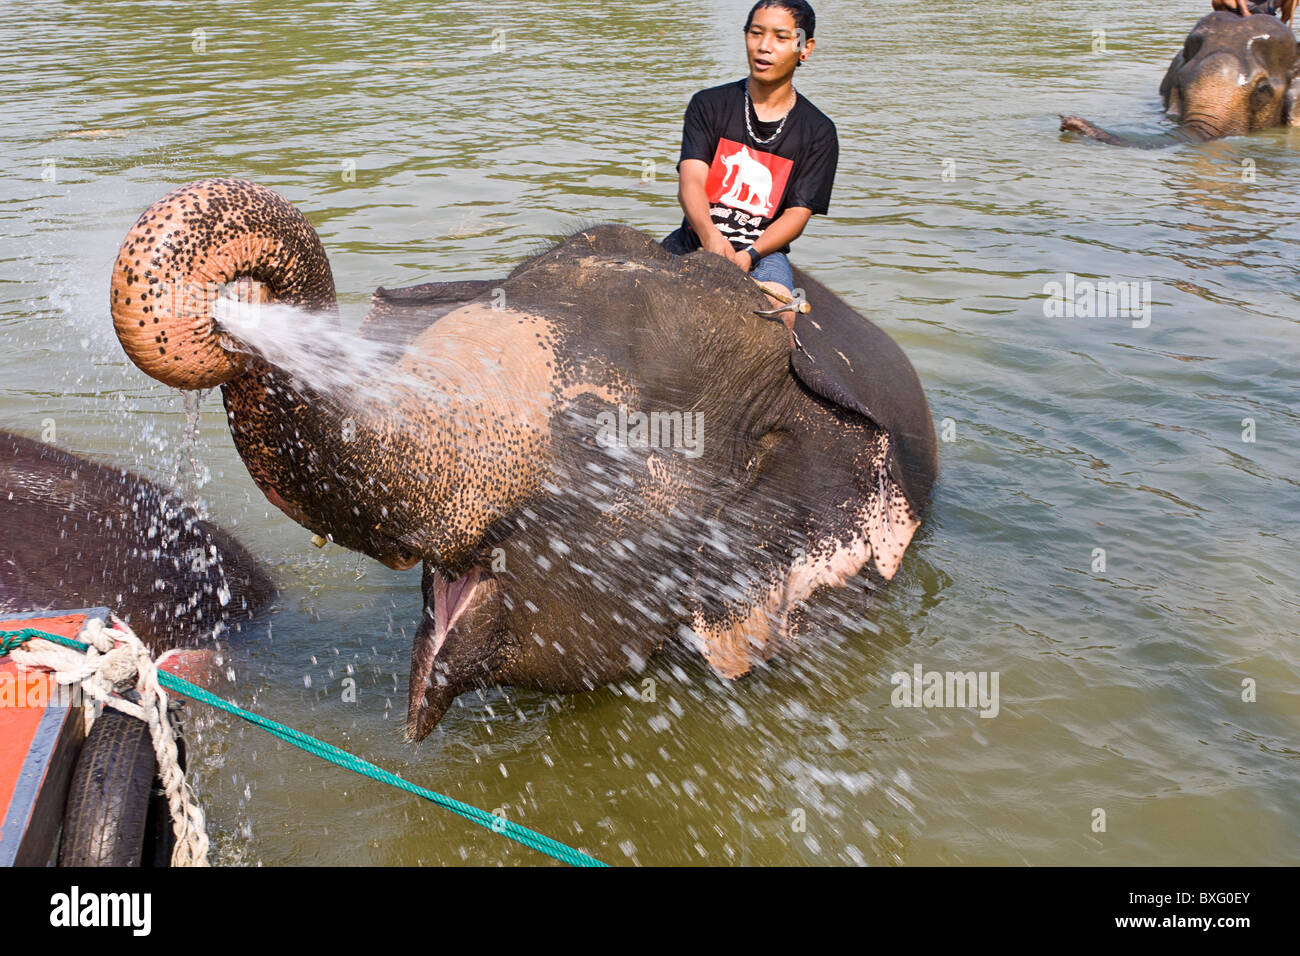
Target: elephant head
point(1234, 75)
point(603, 451)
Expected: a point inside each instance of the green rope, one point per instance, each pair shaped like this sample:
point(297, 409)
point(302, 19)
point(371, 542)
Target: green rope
point(341, 758)
point(11, 639)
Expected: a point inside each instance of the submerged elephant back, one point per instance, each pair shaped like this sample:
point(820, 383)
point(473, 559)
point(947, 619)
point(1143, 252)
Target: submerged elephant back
point(77, 534)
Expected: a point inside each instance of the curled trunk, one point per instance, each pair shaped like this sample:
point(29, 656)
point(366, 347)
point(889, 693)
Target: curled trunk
point(192, 246)
point(419, 464)
point(224, 237)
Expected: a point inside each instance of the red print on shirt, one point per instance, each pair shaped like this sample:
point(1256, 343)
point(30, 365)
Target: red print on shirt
point(743, 178)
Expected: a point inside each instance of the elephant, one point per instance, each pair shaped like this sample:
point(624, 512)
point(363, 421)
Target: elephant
point(78, 534)
point(598, 454)
point(1234, 75)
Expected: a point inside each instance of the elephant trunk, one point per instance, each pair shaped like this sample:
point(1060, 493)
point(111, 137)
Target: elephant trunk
point(1078, 124)
point(417, 460)
point(202, 241)
point(306, 451)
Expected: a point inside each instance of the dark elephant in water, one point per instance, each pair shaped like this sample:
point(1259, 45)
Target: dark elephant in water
point(1234, 75)
point(76, 534)
point(600, 452)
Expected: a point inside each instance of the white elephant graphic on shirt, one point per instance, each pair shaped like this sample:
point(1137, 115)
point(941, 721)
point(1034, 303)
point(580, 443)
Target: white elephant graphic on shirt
point(749, 178)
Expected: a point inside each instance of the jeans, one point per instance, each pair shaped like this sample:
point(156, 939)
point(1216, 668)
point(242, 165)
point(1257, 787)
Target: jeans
point(774, 267)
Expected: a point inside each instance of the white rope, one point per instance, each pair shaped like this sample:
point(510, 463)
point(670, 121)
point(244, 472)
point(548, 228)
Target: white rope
point(117, 660)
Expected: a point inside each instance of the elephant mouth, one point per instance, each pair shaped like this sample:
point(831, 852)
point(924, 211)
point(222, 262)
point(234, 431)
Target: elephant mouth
point(433, 684)
point(1204, 128)
point(386, 551)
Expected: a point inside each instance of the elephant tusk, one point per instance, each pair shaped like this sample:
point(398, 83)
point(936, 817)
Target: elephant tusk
point(318, 541)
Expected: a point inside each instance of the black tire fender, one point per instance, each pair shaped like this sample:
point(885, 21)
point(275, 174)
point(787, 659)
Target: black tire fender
point(107, 816)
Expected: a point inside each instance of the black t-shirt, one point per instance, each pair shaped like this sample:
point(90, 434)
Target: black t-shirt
point(751, 184)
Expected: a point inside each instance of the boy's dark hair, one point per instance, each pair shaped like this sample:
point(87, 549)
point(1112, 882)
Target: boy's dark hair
point(804, 18)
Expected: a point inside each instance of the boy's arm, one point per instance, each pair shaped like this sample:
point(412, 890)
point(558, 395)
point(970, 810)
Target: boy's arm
point(809, 193)
point(785, 229)
point(695, 204)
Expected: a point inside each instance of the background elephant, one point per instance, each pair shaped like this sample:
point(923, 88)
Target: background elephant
point(553, 557)
point(77, 534)
point(1234, 75)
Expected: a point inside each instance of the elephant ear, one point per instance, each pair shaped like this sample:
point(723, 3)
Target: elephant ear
point(851, 362)
point(398, 316)
point(1291, 99)
point(817, 505)
point(1167, 84)
point(844, 482)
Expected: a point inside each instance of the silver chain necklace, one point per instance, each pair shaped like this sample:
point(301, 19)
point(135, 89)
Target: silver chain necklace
point(750, 129)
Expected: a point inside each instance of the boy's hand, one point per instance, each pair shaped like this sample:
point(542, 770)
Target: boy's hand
point(741, 258)
point(715, 243)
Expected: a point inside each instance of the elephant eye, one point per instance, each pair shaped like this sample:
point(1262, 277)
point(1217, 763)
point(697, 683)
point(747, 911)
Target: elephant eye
point(1263, 91)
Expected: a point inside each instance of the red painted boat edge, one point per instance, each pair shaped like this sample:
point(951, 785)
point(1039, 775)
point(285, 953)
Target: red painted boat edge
point(34, 793)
